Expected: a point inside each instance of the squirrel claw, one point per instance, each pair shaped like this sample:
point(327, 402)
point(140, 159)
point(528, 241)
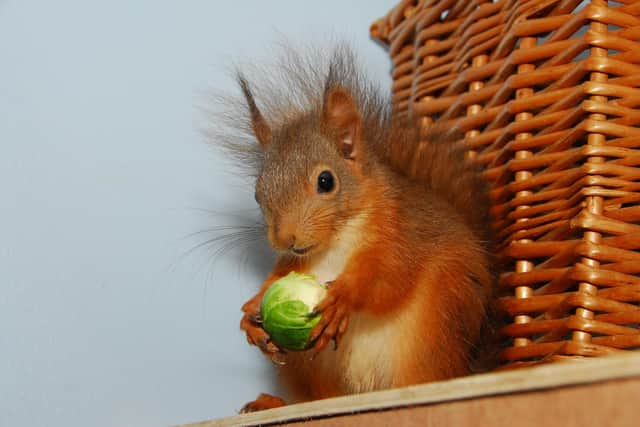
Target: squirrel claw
point(255, 317)
point(332, 324)
point(278, 358)
point(327, 302)
point(259, 337)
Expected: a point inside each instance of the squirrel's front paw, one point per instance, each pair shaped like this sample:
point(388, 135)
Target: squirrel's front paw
point(257, 336)
point(334, 321)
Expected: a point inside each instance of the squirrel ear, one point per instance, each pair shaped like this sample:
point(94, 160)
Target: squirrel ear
point(342, 120)
point(259, 125)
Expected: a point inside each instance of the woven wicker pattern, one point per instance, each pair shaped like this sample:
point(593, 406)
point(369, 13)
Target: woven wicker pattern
point(548, 95)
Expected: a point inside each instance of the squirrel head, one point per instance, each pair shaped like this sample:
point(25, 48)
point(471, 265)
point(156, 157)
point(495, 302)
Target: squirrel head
point(311, 176)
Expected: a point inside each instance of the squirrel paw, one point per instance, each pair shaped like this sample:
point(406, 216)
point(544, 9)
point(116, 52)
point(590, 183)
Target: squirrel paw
point(333, 323)
point(257, 336)
point(264, 401)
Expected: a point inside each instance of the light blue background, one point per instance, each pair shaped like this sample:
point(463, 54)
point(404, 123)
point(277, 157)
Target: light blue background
point(103, 174)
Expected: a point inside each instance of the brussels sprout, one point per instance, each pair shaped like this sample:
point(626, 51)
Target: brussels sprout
point(287, 309)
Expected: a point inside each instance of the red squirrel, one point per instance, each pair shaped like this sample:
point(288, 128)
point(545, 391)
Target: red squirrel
point(395, 220)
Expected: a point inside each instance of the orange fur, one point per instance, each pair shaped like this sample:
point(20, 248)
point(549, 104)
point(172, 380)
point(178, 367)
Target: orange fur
point(440, 307)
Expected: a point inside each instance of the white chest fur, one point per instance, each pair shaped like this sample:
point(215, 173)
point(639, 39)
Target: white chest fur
point(330, 264)
point(364, 358)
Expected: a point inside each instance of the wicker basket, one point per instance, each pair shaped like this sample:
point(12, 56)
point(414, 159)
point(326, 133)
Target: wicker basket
point(548, 95)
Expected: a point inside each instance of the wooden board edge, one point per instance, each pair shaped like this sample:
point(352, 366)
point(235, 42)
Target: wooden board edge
point(561, 374)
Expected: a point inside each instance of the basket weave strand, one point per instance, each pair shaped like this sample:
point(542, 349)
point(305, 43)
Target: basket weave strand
point(547, 93)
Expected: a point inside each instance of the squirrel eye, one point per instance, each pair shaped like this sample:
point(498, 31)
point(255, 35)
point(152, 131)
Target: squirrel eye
point(325, 182)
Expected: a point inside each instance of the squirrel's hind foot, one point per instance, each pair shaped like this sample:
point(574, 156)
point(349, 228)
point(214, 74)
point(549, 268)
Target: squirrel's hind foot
point(264, 401)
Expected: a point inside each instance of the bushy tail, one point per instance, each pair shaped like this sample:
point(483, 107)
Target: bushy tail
point(436, 158)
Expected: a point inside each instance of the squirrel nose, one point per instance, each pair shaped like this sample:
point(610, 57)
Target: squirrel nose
point(286, 235)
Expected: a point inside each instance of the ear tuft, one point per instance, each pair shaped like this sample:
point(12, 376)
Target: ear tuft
point(259, 125)
point(341, 118)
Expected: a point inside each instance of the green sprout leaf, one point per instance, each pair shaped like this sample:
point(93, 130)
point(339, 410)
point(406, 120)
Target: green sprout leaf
point(287, 309)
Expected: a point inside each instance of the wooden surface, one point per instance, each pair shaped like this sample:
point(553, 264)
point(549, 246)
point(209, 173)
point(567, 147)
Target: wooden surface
point(578, 406)
point(599, 391)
